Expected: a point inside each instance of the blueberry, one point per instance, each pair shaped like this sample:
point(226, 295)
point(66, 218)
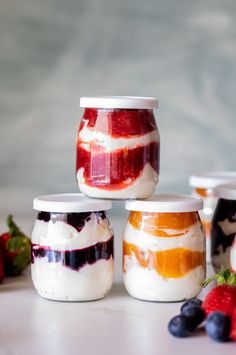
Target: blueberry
point(190, 303)
point(181, 326)
point(195, 312)
point(218, 326)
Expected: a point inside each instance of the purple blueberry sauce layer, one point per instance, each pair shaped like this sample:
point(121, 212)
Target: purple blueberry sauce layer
point(77, 258)
point(76, 220)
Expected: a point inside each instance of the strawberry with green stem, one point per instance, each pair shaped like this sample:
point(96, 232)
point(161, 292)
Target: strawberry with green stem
point(221, 298)
point(224, 276)
point(16, 249)
point(221, 302)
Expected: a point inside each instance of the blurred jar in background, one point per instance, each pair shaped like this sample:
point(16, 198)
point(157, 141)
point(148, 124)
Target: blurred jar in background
point(223, 225)
point(203, 185)
point(233, 255)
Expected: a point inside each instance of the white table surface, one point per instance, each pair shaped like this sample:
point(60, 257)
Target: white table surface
point(115, 325)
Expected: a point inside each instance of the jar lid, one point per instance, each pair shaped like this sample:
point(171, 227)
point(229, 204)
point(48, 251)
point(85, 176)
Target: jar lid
point(227, 191)
point(134, 102)
point(166, 203)
point(211, 179)
point(69, 203)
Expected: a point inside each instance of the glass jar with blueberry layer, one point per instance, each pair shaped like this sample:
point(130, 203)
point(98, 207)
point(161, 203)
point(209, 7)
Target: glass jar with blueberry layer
point(203, 185)
point(223, 225)
point(72, 248)
point(118, 147)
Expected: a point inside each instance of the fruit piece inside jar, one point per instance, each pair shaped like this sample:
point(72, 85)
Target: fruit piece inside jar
point(117, 147)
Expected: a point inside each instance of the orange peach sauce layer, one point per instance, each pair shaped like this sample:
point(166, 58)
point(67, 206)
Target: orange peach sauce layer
point(202, 192)
point(177, 224)
point(171, 263)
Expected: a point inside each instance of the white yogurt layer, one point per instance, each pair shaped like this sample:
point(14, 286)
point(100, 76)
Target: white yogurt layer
point(222, 259)
point(147, 284)
point(144, 240)
point(58, 282)
point(142, 187)
point(62, 236)
point(233, 257)
point(109, 144)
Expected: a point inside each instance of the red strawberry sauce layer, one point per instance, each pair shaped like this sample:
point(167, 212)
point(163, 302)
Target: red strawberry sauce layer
point(120, 122)
point(121, 167)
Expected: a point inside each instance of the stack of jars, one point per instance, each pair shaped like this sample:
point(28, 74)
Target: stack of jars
point(118, 148)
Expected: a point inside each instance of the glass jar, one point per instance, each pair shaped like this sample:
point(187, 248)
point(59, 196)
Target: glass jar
point(233, 255)
point(118, 147)
point(223, 225)
point(203, 185)
point(72, 248)
point(164, 248)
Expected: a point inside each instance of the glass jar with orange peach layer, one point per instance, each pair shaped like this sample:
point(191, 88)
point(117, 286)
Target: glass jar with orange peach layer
point(164, 248)
point(203, 185)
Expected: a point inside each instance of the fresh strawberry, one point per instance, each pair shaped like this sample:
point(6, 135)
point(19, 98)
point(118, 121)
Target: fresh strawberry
point(4, 239)
point(16, 249)
point(222, 298)
point(233, 325)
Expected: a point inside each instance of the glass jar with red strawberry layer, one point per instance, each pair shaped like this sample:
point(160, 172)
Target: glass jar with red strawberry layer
point(118, 147)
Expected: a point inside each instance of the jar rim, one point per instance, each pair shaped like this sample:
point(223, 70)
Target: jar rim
point(211, 179)
point(129, 102)
point(226, 191)
point(69, 203)
point(166, 203)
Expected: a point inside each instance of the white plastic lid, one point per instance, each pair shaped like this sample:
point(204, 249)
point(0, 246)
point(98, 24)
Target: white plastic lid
point(69, 203)
point(210, 180)
point(227, 191)
point(134, 102)
point(166, 203)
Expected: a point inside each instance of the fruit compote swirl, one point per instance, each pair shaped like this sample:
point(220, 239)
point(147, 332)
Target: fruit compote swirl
point(118, 153)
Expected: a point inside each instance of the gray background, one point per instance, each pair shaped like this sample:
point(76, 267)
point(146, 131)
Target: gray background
point(53, 51)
